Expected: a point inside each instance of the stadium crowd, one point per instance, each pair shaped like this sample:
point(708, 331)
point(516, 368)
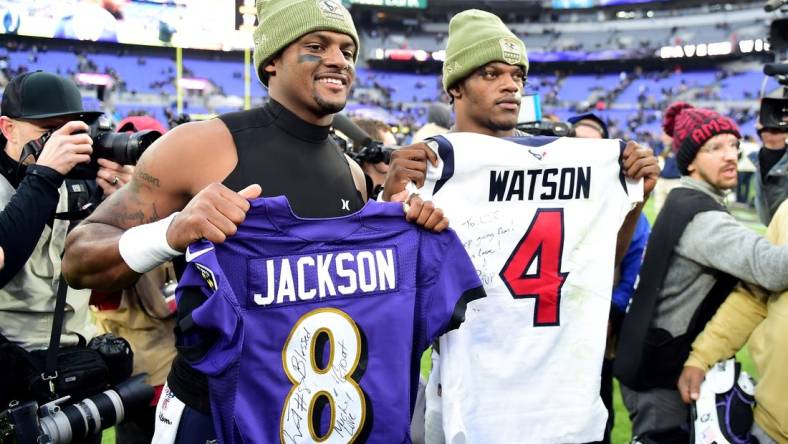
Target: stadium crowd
point(101, 222)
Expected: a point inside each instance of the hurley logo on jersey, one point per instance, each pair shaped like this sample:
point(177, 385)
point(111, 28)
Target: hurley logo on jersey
point(290, 279)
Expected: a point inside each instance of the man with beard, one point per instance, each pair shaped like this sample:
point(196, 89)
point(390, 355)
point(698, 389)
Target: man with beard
point(194, 182)
point(696, 253)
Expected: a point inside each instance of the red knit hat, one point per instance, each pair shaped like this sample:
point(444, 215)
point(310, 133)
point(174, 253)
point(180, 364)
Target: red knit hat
point(140, 123)
point(691, 128)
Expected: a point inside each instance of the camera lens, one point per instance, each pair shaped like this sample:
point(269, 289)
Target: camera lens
point(97, 412)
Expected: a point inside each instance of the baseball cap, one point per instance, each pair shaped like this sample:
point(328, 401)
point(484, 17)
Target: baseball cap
point(41, 95)
point(591, 116)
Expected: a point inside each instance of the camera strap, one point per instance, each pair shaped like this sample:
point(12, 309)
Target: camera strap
point(50, 368)
point(32, 148)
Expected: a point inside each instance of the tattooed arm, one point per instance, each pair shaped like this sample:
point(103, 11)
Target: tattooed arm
point(179, 172)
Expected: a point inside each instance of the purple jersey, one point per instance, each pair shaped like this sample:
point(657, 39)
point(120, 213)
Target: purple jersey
point(318, 324)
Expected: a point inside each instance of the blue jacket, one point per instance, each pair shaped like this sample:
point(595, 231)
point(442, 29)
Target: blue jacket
point(630, 265)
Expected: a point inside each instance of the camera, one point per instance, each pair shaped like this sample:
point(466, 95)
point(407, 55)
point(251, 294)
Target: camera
point(547, 128)
point(371, 151)
point(26, 422)
point(774, 107)
point(123, 148)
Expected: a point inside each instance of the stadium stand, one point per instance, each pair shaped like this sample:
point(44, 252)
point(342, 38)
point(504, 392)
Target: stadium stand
point(144, 78)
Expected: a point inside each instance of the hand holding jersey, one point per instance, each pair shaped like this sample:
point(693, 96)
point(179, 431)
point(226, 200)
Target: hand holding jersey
point(213, 214)
point(638, 162)
point(689, 383)
point(408, 164)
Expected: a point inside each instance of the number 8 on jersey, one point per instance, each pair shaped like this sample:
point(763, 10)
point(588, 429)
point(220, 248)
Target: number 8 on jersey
point(315, 387)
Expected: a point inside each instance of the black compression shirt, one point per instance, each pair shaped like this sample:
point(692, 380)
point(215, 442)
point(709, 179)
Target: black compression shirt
point(285, 156)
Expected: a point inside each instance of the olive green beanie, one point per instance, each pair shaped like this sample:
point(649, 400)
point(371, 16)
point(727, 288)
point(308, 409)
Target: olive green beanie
point(477, 38)
point(281, 22)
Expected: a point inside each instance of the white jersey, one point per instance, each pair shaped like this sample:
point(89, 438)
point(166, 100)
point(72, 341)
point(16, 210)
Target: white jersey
point(539, 217)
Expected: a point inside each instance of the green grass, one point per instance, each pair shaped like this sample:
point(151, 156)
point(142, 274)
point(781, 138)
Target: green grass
point(108, 437)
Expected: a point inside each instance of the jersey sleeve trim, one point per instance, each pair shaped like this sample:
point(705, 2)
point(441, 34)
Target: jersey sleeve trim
point(446, 153)
point(458, 316)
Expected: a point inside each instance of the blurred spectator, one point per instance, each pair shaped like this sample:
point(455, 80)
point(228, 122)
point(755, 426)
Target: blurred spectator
point(696, 253)
point(669, 177)
point(438, 122)
point(589, 126)
point(749, 150)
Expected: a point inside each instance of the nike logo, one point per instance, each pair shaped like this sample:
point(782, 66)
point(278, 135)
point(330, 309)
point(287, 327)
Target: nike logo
point(192, 256)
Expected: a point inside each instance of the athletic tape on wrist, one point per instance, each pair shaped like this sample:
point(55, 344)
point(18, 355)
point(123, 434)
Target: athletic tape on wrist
point(145, 247)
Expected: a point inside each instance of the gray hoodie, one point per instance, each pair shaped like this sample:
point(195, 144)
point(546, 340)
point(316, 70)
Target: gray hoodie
point(712, 241)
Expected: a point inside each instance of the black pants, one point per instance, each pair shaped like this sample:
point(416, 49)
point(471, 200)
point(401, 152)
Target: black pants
point(137, 428)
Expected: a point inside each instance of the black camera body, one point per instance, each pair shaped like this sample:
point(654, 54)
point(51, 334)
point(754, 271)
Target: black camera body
point(774, 111)
point(547, 128)
point(371, 152)
point(26, 422)
point(123, 148)
point(774, 108)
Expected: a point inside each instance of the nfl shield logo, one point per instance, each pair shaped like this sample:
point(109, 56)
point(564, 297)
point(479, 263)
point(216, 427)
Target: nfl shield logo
point(511, 51)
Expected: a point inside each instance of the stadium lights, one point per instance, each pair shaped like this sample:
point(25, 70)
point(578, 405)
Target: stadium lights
point(191, 83)
point(712, 49)
point(404, 55)
point(747, 46)
point(86, 78)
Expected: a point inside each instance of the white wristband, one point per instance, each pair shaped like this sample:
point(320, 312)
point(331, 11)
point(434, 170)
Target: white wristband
point(145, 247)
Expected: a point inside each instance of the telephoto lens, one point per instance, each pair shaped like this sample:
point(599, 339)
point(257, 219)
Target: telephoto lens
point(96, 412)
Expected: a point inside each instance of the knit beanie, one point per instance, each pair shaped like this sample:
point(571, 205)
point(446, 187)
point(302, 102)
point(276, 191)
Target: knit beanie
point(691, 128)
point(477, 38)
point(281, 22)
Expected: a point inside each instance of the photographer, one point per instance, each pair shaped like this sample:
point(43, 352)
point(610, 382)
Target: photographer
point(39, 204)
point(31, 192)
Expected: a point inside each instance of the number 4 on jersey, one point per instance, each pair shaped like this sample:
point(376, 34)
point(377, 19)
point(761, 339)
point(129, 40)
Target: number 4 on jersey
point(543, 242)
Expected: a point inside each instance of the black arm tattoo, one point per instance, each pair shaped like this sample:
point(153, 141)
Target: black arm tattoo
point(147, 178)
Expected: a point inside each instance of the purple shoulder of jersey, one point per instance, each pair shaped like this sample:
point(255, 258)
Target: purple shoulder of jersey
point(313, 328)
